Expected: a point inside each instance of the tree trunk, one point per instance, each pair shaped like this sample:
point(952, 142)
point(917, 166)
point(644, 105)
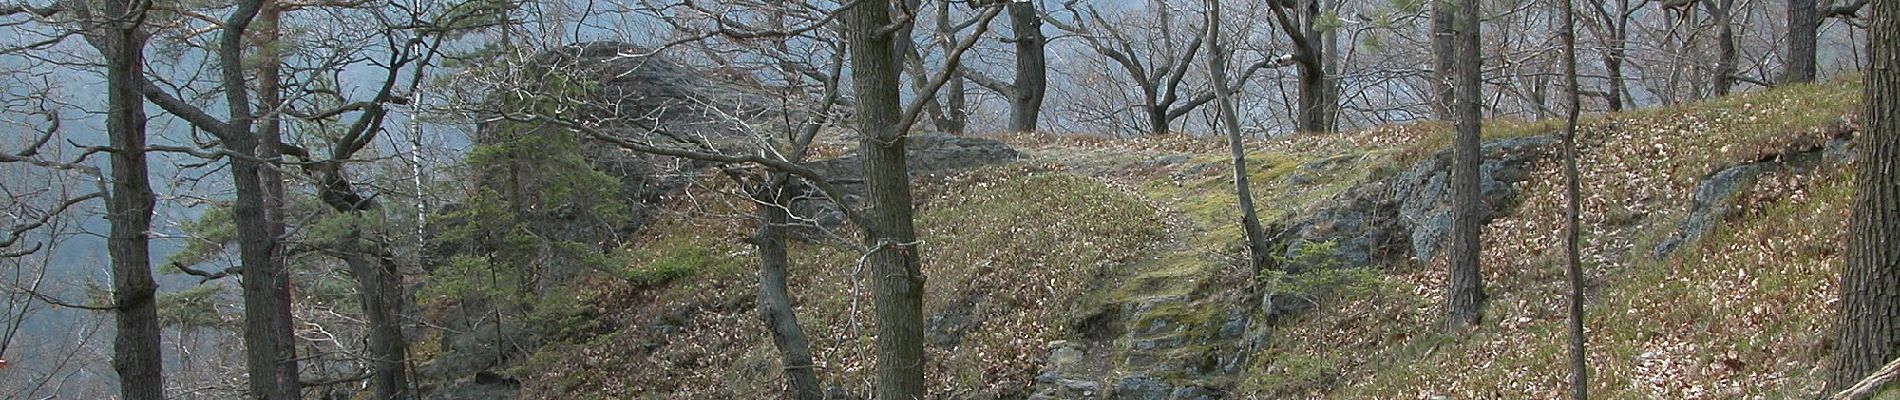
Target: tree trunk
point(135, 347)
point(378, 280)
point(1032, 67)
point(1257, 252)
point(269, 338)
point(1157, 118)
point(380, 291)
point(890, 233)
point(1444, 59)
point(1467, 284)
point(269, 341)
point(1573, 221)
point(1613, 65)
point(1724, 75)
point(1319, 103)
point(775, 302)
point(1868, 333)
point(1803, 22)
point(955, 114)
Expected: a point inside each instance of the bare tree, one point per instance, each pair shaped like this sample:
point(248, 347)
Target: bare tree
point(1573, 220)
point(1257, 252)
point(1723, 77)
point(1158, 69)
point(1444, 59)
point(1612, 30)
point(136, 349)
point(1319, 94)
point(1031, 82)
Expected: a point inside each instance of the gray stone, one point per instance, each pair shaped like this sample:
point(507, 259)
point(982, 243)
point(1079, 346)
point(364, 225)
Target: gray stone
point(1712, 203)
point(1714, 199)
point(1142, 388)
point(1424, 191)
point(1407, 215)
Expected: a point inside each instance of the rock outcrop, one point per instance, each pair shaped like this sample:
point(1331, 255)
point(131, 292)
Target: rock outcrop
point(1408, 215)
point(1716, 195)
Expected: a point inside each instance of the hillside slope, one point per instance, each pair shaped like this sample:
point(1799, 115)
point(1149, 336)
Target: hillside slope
point(1111, 268)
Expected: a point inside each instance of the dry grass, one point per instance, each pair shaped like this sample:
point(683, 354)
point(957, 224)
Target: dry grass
point(1741, 315)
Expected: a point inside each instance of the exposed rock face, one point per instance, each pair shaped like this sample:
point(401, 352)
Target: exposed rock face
point(1716, 195)
point(1409, 214)
point(638, 94)
point(1424, 191)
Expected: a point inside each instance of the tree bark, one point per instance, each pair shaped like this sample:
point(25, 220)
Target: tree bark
point(1872, 385)
point(1803, 24)
point(1257, 252)
point(1614, 33)
point(378, 277)
point(135, 347)
point(890, 233)
point(775, 301)
point(1032, 67)
point(1573, 220)
point(1723, 78)
point(269, 337)
point(1444, 59)
point(379, 288)
point(1318, 102)
point(955, 113)
point(1466, 295)
point(1868, 331)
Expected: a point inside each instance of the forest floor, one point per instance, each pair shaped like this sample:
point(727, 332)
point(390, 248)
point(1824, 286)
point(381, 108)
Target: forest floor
point(1023, 255)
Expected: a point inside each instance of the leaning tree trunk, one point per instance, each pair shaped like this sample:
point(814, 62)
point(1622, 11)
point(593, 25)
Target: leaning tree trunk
point(1803, 22)
point(890, 233)
point(135, 347)
point(1466, 294)
point(775, 301)
point(1032, 67)
point(1257, 252)
point(1868, 334)
point(378, 279)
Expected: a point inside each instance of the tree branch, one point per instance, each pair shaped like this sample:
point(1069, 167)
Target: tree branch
point(1871, 385)
point(952, 63)
point(817, 180)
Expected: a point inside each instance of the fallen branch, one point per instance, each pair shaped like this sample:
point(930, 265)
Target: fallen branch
point(1871, 385)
